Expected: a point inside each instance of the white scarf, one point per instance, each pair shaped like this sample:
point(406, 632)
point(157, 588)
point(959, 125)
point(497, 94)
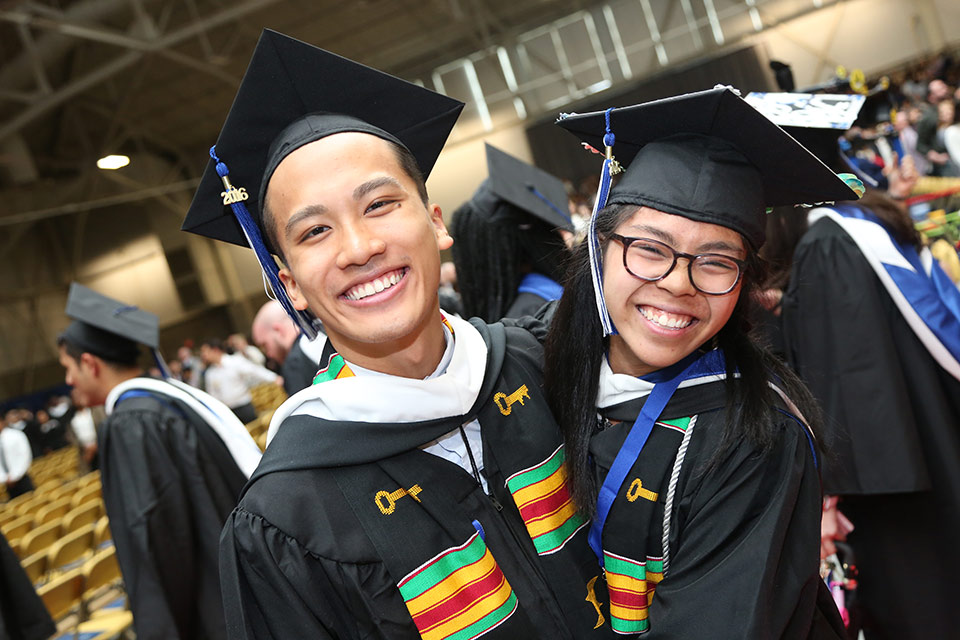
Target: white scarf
point(391, 399)
point(616, 388)
point(221, 419)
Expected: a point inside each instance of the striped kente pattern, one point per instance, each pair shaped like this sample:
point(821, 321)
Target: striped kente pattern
point(336, 368)
point(542, 495)
point(631, 584)
point(459, 594)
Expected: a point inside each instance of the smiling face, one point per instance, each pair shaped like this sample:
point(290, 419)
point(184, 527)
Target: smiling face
point(361, 247)
point(660, 323)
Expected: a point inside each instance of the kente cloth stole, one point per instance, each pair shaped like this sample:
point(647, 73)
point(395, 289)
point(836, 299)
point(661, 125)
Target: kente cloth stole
point(336, 367)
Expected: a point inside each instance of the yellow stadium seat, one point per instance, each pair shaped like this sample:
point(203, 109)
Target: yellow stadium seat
point(52, 511)
point(62, 594)
point(93, 476)
point(17, 528)
point(101, 532)
point(70, 548)
point(48, 486)
point(100, 571)
point(40, 538)
point(7, 516)
point(85, 514)
point(30, 507)
point(13, 503)
point(35, 566)
point(87, 494)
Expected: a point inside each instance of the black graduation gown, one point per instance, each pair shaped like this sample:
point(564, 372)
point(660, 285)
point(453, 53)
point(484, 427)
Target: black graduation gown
point(348, 529)
point(169, 484)
point(744, 532)
point(22, 613)
point(525, 304)
point(892, 433)
point(297, 370)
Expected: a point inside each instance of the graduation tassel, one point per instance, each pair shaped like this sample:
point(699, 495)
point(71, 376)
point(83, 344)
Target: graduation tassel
point(161, 364)
point(610, 168)
point(235, 197)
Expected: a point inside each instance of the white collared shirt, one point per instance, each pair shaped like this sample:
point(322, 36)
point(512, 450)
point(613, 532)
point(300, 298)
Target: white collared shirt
point(230, 380)
point(15, 455)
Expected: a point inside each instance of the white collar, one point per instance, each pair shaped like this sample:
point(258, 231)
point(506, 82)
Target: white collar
point(390, 399)
point(616, 388)
point(221, 419)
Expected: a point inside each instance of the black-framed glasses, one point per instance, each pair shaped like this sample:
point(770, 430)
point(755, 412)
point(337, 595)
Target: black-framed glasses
point(711, 273)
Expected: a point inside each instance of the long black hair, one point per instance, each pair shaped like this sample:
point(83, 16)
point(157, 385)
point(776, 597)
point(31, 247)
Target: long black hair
point(495, 245)
point(575, 347)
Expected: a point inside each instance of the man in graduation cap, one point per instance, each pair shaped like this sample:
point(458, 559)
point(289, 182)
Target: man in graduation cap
point(509, 251)
point(173, 460)
point(417, 488)
point(872, 324)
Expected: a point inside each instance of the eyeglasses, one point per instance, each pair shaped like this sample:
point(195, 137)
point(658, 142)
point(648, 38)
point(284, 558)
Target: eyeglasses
point(711, 273)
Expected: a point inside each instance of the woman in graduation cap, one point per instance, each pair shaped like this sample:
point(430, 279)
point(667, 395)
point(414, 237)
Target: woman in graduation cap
point(687, 442)
point(509, 249)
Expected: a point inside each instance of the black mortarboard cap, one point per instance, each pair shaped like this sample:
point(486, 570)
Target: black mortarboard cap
point(815, 120)
point(708, 156)
point(528, 188)
point(294, 93)
point(106, 327)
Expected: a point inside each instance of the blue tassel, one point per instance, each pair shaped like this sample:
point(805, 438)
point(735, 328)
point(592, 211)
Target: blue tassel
point(610, 166)
point(161, 364)
point(304, 319)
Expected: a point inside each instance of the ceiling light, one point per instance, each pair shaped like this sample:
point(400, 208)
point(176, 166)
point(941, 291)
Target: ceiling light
point(113, 162)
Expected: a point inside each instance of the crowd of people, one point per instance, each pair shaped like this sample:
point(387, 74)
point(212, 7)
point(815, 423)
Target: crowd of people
point(607, 416)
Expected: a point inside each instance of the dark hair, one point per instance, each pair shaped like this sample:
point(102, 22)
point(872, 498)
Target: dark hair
point(213, 343)
point(408, 163)
point(575, 347)
point(493, 249)
point(75, 352)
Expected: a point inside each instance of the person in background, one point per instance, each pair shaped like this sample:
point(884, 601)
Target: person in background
point(509, 245)
point(172, 459)
point(281, 341)
point(928, 125)
point(229, 378)
point(701, 473)
point(15, 458)
point(870, 322)
point(449, 295)
point(191, 366)
point(84, 428)
point(22, 420)
point(238, 342)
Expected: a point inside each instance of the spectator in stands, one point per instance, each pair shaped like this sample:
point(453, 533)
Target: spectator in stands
point(15, 457)
point(53, 434)
point(907, 137)
point(191, 366)
point(229, 378)
point(275, 333)
point(22, 420)
point(238, 342)
point(928, 125)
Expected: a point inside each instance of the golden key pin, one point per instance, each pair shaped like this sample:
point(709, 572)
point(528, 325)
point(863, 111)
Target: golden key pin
point(387, 501)
point(505, 402)
point(636, 490)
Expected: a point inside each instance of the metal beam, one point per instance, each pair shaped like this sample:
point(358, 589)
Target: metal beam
point(99, 203)
point(112, 68)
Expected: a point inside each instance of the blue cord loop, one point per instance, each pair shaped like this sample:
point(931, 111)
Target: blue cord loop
point(235, 196)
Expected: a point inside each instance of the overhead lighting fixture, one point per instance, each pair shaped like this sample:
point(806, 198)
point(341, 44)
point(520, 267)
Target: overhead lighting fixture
point(113, 162)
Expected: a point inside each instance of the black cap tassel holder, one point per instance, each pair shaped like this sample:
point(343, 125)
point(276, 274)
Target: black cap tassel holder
point(235, 197)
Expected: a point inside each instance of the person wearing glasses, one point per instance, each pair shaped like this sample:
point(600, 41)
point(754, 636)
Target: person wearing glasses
point(690, 446)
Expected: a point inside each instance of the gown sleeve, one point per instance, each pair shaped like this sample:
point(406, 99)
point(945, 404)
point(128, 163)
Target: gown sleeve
point(276, 588)
point(838, 338)
point(22, 614)
point(150, 522)
point(744, 549)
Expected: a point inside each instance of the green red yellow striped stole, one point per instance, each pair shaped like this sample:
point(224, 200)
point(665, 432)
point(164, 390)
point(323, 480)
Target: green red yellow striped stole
point(542, 496)
point(459, 594)
point(631, 584)
point(337, 367)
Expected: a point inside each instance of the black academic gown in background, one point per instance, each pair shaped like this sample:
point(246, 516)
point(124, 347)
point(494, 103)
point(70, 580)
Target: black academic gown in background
point(892, 419)
point(338, 514)
point(744, 531)
point(169, 484)
point(297, 370)
point(22, 613)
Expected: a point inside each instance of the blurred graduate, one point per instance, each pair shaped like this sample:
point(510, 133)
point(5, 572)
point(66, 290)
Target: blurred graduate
point(172, 460)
